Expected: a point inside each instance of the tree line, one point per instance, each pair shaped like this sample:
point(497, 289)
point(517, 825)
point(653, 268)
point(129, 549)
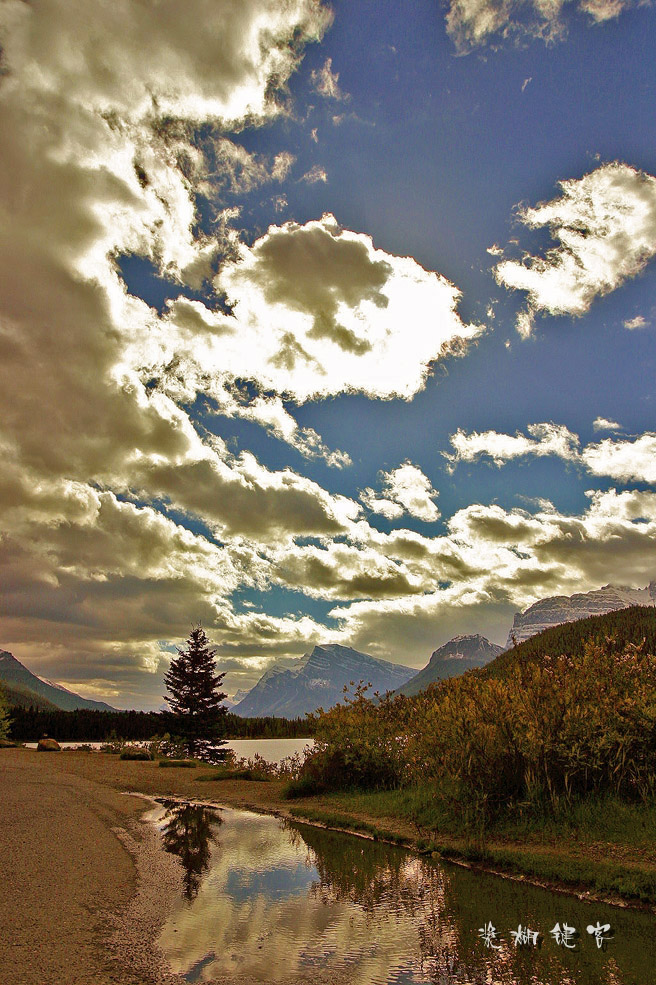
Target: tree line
point(85, 725)
point(197, 717)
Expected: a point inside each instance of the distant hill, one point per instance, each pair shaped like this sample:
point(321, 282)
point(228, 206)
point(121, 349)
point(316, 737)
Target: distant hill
point(630, 625)
point(29, 689)
point(567, 608)
point(453, 658)
point(318, 681)
point(23, 697)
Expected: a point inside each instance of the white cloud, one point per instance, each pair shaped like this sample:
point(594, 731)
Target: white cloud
point(404, 490)
point(603, 424)
point(239, 170)
point(472, 23)
point(91, 170)
point(605, 223)
point(155, 59)
point(626, 461)
point(99, 160)
point(497, 561)
point(633, 323)
point(326, 82)
point(315, 175)
point(319, 311)
point(546, 439)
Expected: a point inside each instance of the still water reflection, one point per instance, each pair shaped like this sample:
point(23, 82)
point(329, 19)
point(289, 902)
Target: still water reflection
point(268, 901)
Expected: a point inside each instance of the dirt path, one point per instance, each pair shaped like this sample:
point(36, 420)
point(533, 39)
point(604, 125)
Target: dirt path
point(63, 872)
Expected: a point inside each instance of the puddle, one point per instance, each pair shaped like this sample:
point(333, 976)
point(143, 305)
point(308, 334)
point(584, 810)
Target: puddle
point(264, 900)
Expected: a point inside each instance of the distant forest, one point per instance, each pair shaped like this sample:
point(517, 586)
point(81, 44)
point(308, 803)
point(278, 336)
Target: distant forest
point(84, 725)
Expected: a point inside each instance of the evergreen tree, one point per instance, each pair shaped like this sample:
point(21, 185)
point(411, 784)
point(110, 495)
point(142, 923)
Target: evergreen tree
point(197, 714)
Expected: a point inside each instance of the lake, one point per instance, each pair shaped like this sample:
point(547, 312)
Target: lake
point(273, 750)
point(265, 900)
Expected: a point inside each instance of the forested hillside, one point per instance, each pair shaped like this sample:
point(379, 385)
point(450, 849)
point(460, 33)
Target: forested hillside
point(624, 626)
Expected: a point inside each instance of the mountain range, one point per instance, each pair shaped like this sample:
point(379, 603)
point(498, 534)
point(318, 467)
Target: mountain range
point(318, 681)
point(24, 688)
point(318, 678)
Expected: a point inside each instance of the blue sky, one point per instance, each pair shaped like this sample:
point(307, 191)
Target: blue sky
point(319, 323)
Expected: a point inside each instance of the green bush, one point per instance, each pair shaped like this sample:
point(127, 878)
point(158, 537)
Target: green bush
point(180, 763)
point(551, 730)
point(136, 753)
point(357, 744)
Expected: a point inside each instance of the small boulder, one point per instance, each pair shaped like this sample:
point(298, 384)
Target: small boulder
point(48, 745)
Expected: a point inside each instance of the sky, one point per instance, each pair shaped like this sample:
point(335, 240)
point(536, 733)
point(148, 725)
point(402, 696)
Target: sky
point(318, 323)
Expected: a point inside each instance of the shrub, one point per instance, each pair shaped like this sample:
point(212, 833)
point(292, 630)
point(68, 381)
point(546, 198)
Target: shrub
point(136, 753)
point(550, 730)
point(358, 743)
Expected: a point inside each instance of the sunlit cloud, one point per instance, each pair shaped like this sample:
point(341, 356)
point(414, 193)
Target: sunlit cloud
point(507, 560)
point(403, 490)
point(626, 459)
point(315, 175)
point(603, 424)
point(326, 82)
point(474, 23)
point(633, 323)
point(545, 439)
point(605, 224)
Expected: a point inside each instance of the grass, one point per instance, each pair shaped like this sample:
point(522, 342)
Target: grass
point(245, 773)
point(600, 844)
point(179, 763)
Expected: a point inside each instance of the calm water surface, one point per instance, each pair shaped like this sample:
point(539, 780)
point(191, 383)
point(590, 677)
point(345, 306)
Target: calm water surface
point(273, 750)
point(268, 901)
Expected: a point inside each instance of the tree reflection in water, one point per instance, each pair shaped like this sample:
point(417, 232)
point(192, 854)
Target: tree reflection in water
point(378, 879)
point(189, 832)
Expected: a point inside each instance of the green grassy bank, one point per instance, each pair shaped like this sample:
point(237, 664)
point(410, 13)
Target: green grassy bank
point(598, 845)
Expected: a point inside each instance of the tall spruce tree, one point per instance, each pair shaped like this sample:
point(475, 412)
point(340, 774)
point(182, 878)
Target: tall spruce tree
point(197, 713)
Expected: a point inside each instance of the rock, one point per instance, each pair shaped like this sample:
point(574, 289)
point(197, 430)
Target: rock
point(452, 659)
point(48, 745)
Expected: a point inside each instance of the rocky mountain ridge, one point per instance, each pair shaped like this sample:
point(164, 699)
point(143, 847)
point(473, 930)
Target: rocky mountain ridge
point(317, 681)
point(557, 609)
point(455, 657)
